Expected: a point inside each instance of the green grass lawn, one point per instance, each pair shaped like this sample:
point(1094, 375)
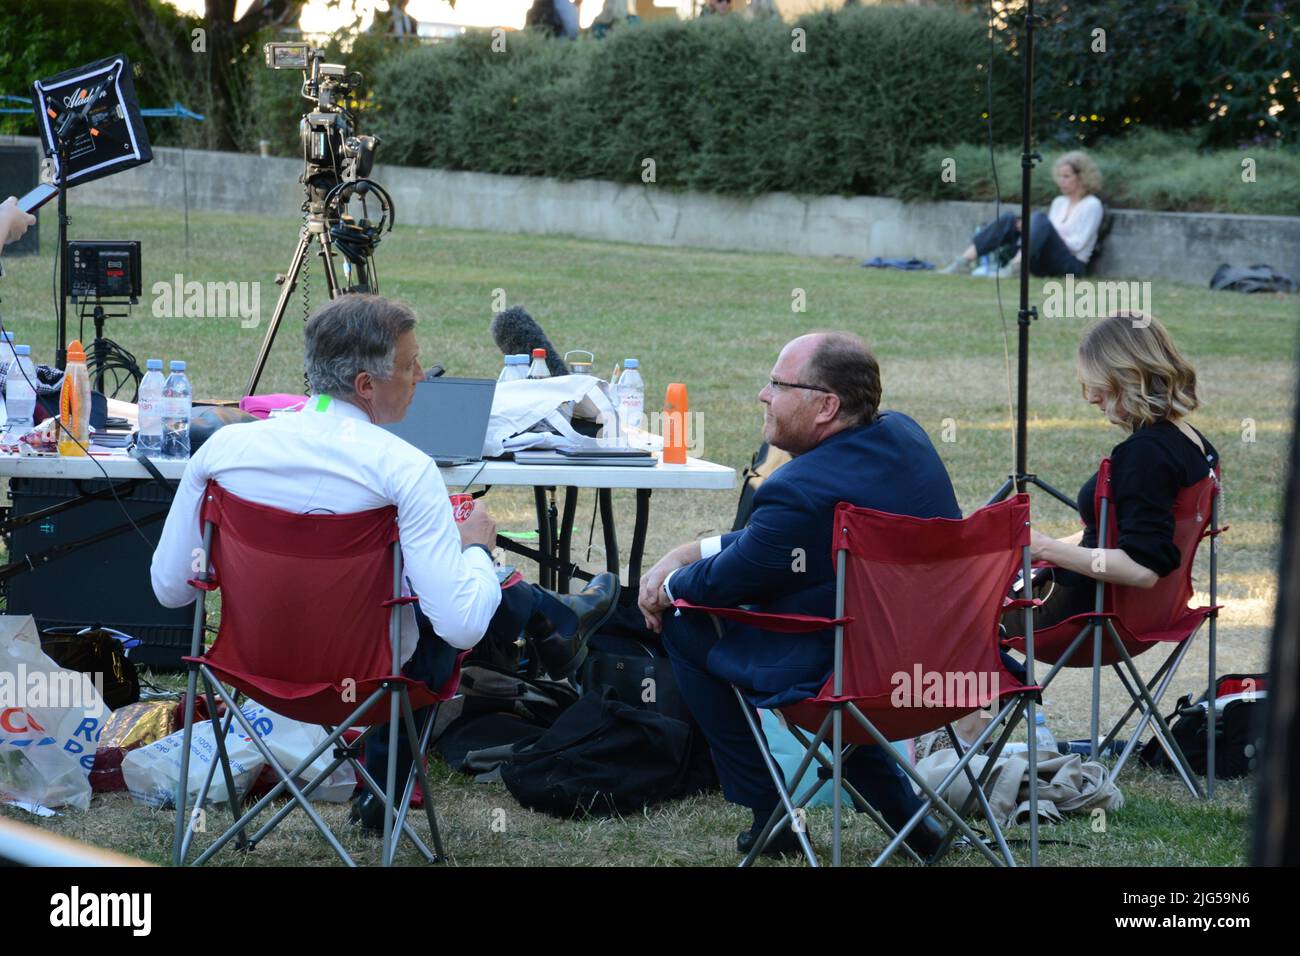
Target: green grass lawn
point(716, 321)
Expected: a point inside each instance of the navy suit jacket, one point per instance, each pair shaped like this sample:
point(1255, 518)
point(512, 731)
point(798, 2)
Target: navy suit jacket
point(782, 562)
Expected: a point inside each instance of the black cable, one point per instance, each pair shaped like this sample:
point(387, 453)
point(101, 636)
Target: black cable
point(997, 215)
point(58, 421)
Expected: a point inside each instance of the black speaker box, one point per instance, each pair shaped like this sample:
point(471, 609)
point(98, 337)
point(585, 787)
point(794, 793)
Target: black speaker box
point(103, 583)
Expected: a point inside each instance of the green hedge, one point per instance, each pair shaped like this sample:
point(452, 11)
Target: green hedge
point(720, 104)
point(726, 105)
point(1148, 170)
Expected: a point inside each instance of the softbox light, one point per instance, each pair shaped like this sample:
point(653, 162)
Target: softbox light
point(93, 107)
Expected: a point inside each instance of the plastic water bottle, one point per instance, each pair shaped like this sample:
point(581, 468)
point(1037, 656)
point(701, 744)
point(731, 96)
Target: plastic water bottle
point(631, 396)
point(1046, 742)
point(20, 393)
point(538, 368)
point(149, 438)
point(6, 359)
point(515, 368)
point(177, 398)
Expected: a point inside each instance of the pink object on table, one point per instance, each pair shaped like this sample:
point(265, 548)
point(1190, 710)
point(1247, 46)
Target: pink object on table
point(261, 406)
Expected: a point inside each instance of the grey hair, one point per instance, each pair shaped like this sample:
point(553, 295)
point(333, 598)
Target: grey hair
point(352, 334)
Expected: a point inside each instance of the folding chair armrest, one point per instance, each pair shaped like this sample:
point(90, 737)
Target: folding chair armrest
point(202, 585)
point(1214, 533)
point(393, 602)
point(783, 623)
point(1010, 604)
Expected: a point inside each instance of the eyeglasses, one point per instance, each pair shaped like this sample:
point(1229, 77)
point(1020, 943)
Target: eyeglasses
point(812, 388)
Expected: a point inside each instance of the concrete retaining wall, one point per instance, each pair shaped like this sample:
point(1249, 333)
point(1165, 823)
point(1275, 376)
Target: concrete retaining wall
point(1181, 246)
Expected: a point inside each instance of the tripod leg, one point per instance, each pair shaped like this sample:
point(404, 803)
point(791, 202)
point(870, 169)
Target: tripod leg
point(327, 254)
point(290, 283)
point(1058, 495)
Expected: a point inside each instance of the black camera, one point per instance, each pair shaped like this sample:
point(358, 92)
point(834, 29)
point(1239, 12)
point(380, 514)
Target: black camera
point(333, 150)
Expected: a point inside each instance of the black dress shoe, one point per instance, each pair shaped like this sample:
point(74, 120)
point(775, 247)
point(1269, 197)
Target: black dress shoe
point(562, 654)
point(926, 837)
point(783, 843)
point(367, 813)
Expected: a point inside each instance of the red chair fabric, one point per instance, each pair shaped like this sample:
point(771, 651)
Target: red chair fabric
point(1143, 617)
point(923, 599)
point(305, 608)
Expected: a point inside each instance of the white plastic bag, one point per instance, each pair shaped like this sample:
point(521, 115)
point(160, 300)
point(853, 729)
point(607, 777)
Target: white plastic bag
point(50, 720)
point(521, 406)
point(151, 772)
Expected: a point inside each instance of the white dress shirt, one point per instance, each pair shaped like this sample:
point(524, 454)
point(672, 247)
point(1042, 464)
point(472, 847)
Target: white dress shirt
point(330, 459)
point(1078, 226)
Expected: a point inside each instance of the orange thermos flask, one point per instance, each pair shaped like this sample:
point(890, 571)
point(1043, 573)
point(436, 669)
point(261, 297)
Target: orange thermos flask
point(676, 408)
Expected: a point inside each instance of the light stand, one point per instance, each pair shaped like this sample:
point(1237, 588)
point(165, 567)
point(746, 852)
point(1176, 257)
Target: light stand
point(1026, 313)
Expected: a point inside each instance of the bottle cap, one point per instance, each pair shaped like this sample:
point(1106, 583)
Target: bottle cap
point(154, 365)
point(76, 353)
point(177, 366)
point(631, 363)
point(9, 337)
point(539, 353)
point(521, 358)
point(22, 350)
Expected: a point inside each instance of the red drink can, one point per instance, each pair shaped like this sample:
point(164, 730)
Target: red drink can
point(461, 506)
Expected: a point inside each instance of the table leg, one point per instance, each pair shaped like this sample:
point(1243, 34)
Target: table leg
point(545, 539)
point(638, 545)
point(566, 539)
point(606, 497)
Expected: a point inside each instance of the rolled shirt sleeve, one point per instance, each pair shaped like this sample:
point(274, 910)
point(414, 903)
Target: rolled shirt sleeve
point(180, 549)
point(458, 589)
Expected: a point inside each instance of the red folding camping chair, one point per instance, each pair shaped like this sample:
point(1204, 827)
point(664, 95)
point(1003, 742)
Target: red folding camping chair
point(1138, 619)
point(310, 621)
point(914, 597)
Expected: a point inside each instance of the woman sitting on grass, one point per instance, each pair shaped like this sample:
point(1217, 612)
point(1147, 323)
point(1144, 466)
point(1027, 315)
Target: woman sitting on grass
point(1130, 369)
point(1060, 242)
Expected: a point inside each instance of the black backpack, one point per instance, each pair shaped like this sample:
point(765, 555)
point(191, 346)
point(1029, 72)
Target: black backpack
point(603, 756)
point(98, 653)
point(1256, 278)
point(628, 658)
point(496, 709)
point(1238, 737)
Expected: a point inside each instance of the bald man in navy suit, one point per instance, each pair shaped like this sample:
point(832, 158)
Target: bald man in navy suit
point(821, 405)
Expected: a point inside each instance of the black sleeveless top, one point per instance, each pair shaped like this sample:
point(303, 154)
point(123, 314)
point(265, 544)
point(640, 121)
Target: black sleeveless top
point(1148, 470)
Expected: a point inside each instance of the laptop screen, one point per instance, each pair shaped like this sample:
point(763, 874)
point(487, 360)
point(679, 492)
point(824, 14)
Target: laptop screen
point(448, 417)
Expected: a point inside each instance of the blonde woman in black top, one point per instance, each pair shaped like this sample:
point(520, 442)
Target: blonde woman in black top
point(1130, 369)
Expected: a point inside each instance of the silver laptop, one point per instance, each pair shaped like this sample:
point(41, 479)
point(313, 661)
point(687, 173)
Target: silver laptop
point(448, 419)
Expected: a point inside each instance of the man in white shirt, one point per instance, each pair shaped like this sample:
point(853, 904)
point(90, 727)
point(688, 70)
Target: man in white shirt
point(362, 363)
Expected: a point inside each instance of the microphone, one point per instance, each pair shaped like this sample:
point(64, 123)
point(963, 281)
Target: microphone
point(514, 331)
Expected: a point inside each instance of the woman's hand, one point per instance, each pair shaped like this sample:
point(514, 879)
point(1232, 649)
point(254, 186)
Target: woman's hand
point(1040, 545)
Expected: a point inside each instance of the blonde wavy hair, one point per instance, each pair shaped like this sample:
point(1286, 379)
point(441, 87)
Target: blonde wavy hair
point(1083, 166)
point(1131, 359)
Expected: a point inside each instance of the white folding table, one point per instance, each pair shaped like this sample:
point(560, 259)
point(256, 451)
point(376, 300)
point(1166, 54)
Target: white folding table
point(554, 550)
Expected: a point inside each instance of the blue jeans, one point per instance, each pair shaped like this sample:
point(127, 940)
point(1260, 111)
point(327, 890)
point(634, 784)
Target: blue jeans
point(688, 638)
point(1048, 253)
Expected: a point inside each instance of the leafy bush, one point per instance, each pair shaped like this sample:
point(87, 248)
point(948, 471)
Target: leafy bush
point(1218, 67)
point(721, 104)
point(1147, 170)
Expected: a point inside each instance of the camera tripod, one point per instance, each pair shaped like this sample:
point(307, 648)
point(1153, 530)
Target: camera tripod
point(326, 223)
